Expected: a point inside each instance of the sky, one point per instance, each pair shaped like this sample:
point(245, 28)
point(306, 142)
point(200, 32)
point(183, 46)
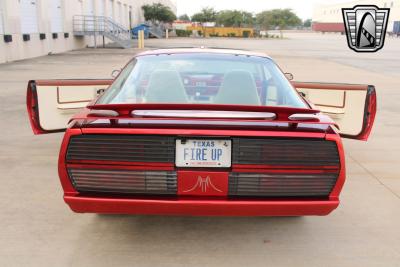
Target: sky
point(302, 8)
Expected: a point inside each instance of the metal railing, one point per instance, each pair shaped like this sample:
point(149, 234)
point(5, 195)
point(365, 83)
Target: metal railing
point(101, 25)
point(157, 30)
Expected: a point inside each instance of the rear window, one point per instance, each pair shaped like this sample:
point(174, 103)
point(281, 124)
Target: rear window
point(202, 78)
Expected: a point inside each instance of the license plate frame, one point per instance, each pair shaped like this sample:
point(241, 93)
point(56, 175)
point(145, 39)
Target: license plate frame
point(203, 153)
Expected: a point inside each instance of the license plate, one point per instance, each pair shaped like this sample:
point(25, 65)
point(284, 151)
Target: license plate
point(203, 153)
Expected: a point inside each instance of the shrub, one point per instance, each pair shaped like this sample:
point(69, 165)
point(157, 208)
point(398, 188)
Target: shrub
point(246, 34)
point(183, 33)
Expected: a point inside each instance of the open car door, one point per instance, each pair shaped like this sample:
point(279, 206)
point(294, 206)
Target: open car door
point(59, 100)
point(351, 106)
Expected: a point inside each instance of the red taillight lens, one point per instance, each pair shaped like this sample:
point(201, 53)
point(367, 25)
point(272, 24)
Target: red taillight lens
point(123, 181)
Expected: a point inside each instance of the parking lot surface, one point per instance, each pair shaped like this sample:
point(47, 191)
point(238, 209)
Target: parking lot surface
point(38, 229)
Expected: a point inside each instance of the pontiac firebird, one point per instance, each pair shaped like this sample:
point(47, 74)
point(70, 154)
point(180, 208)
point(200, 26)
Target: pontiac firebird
point(201, 132)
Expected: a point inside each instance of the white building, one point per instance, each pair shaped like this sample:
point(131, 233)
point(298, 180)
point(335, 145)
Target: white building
point(31, 28)
point(329, 16)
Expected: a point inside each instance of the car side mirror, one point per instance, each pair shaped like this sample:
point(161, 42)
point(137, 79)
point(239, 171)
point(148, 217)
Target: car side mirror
point(289, 76)
point(99, 92)
point(303, 94)
point(115, 73)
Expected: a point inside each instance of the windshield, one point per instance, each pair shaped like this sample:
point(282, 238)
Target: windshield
point(201, 78)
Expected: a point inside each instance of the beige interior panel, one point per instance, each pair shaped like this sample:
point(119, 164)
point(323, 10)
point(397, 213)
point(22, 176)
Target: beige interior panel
point(74, 93)
point(333, 98)
point(73, 97)
point(345, 107)
point(57, 104)
point(351, 122)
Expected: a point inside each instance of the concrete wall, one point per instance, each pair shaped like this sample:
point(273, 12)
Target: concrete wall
point(18, 49)
point(332, 13)
point(10, 14)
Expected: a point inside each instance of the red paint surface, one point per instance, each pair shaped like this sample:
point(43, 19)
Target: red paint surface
point(200, 207)
point(202, 183)
point(198, 202)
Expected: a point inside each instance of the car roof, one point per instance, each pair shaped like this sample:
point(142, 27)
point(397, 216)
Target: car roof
point(206, 50)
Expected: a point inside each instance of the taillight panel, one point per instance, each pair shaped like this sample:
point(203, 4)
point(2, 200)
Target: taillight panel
point(281, 184)
point(144, 165)
point(123, 181)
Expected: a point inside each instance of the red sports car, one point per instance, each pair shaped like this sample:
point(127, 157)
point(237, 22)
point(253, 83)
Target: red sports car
point(202, 132)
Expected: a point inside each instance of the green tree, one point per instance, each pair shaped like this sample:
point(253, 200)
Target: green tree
point(248, 18)
point(184, 17)
point(278, 18)
point(234, 18)
point(158, 12)
point(307, 23)
point(207, 14)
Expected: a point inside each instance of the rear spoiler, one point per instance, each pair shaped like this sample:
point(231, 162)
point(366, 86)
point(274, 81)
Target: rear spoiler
point(281, 113)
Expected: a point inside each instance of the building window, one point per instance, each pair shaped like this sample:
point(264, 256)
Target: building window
point(7, 38)
point(26, 37)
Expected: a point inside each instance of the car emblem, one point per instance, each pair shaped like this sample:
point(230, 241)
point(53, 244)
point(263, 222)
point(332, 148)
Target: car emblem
point(203, 184)
point(365, 27)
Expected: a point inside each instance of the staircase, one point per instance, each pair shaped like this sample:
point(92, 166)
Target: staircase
point(150, 30)
point(157, 31)
point(84, 25)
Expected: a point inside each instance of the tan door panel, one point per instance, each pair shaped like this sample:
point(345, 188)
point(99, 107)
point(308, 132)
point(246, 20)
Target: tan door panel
point(325, 98)
point(56, 101)
point(346, 104)
point(75, 94)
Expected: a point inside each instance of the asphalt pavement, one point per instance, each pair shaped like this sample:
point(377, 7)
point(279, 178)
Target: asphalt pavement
point(38, 229)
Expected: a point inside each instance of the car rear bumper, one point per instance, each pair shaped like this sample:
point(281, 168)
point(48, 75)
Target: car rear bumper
point(201, 207)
